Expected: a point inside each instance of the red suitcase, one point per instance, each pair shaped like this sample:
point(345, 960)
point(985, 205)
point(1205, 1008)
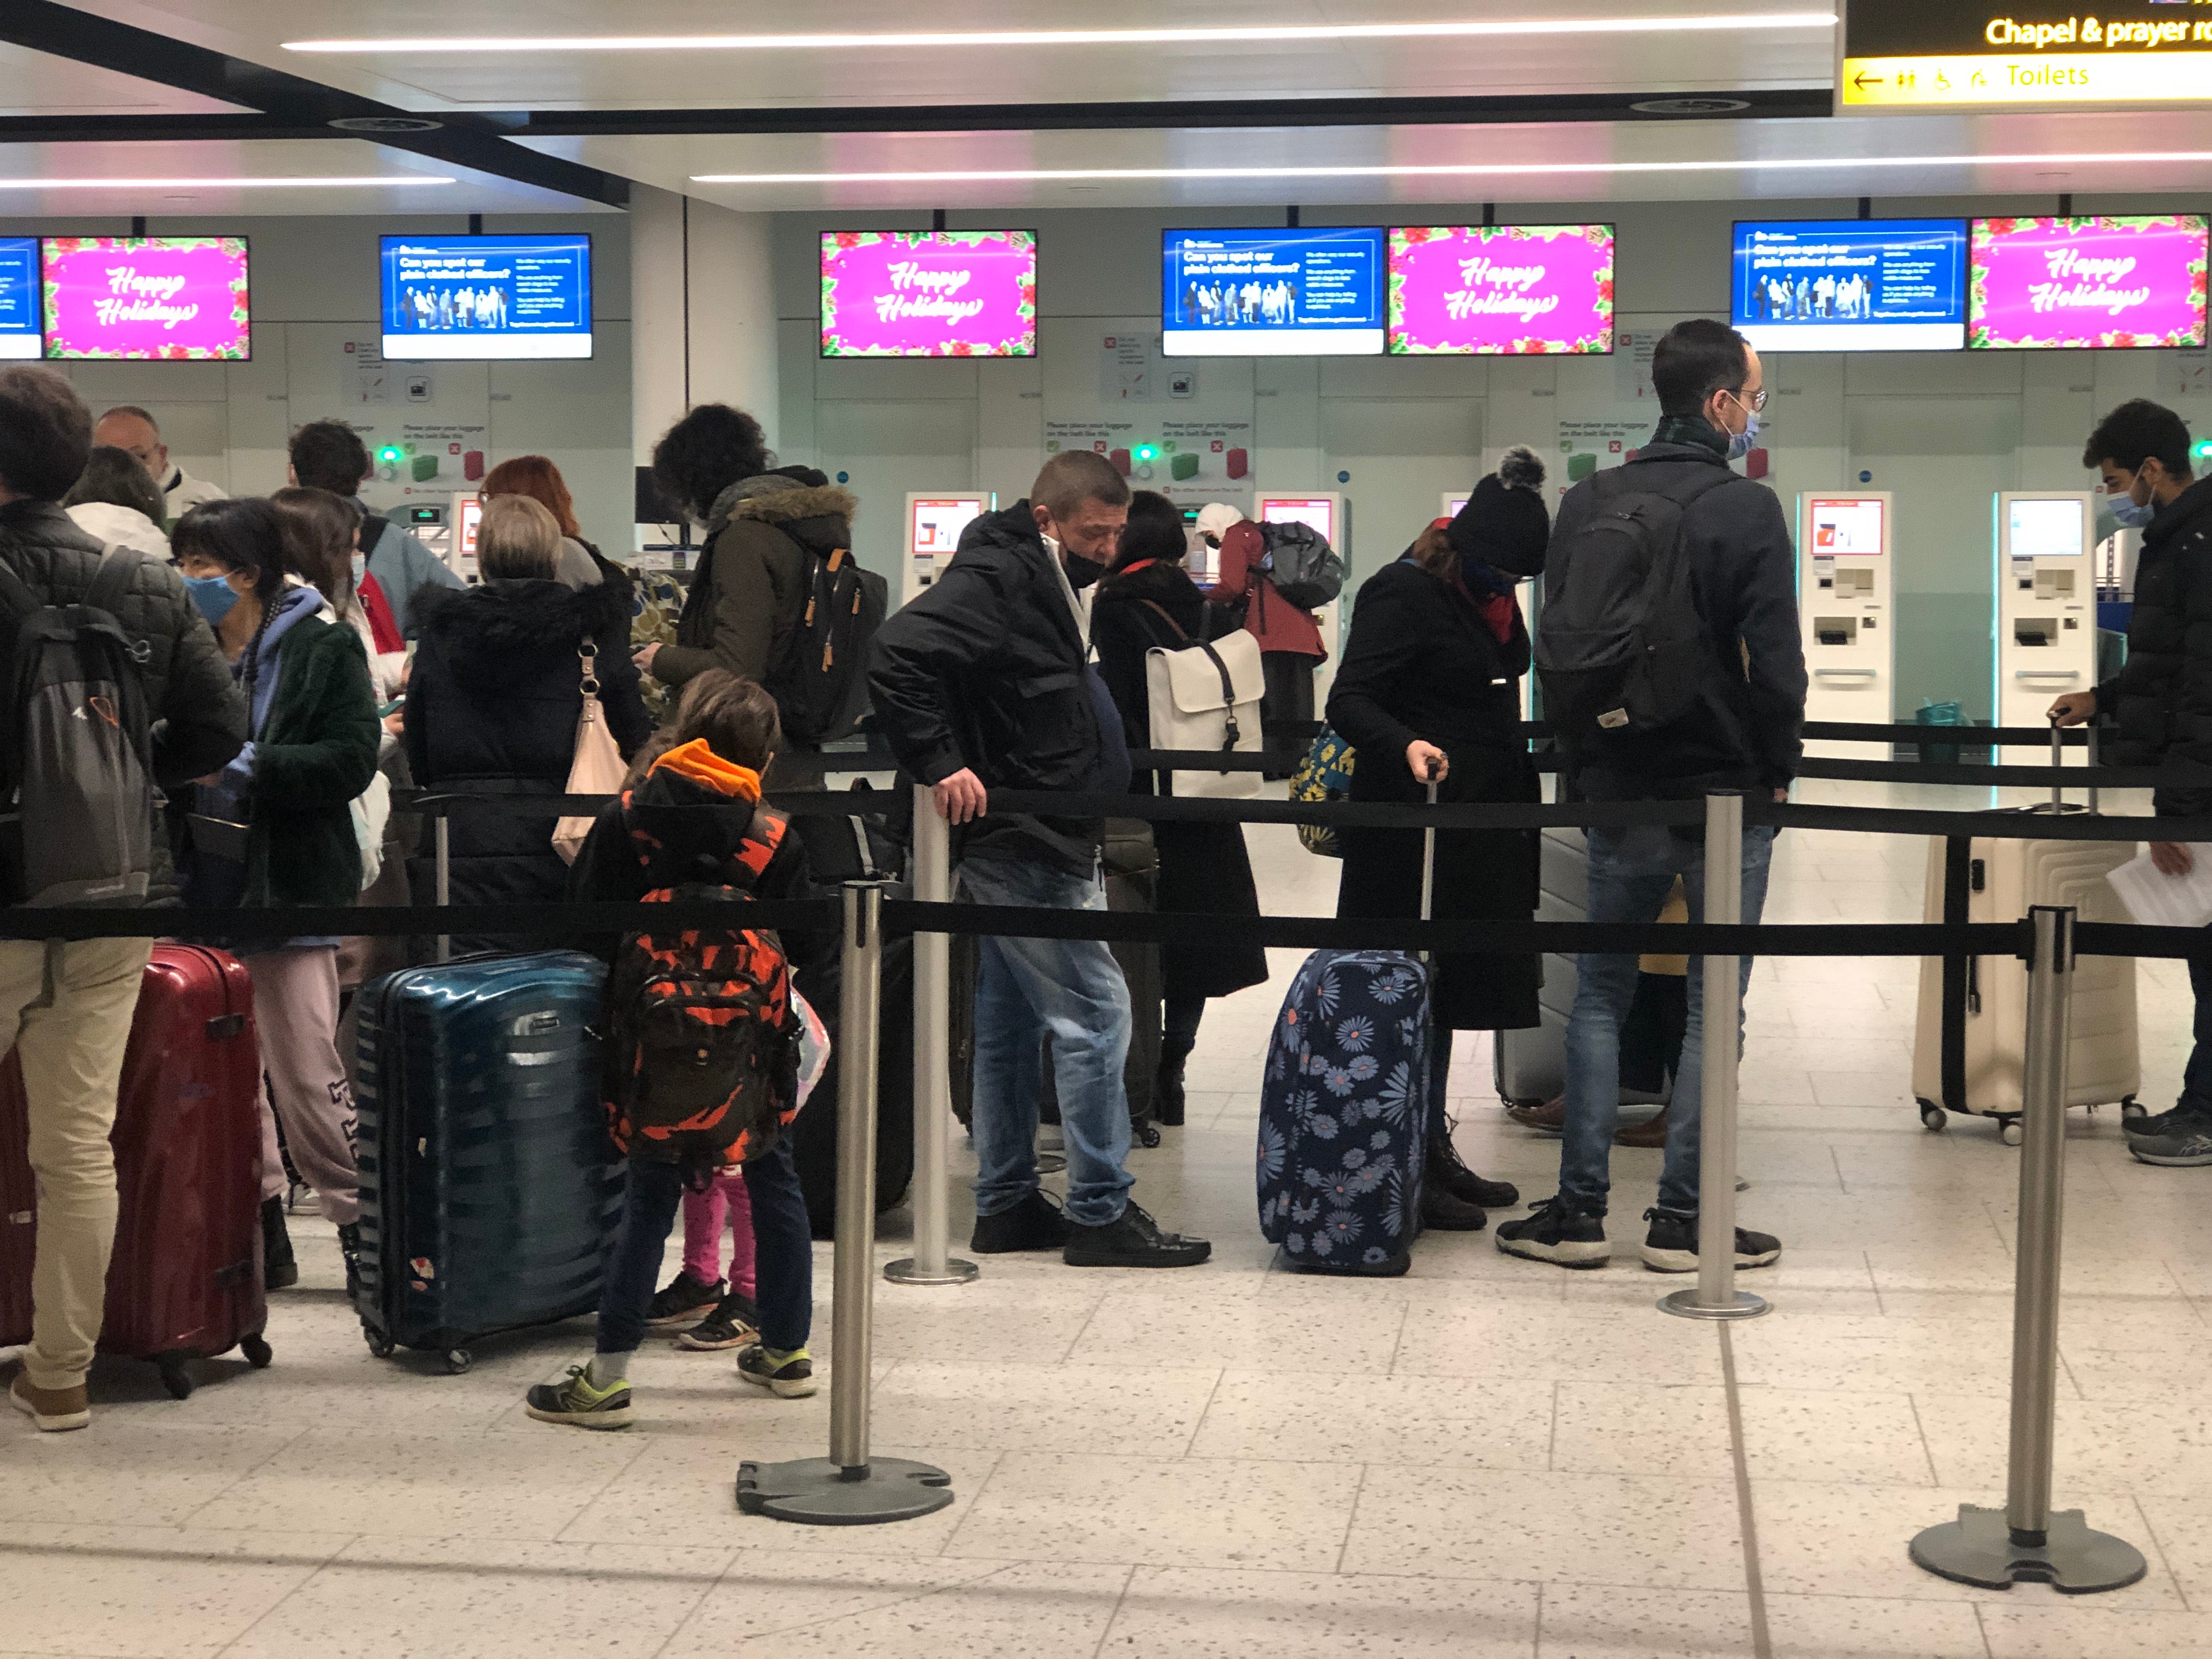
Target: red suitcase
point(184, 1282)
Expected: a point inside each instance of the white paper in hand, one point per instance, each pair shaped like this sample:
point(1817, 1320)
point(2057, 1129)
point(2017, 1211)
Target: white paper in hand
point(2157, 900)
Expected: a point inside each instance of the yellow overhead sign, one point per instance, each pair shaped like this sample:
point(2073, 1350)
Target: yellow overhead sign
point(1924, 54)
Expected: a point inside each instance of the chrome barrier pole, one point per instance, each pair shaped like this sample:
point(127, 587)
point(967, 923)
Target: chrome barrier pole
point(931, 1262)
point(445, 877)
point(2026, 1539)
point(848, 1488)
point(1714, 1295)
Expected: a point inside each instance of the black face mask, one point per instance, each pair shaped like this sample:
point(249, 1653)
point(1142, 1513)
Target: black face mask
point(1082, 572)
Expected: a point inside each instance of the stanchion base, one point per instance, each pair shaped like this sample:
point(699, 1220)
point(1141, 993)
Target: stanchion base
point(1977, 1548)
point(816, 1492)
point(1684, 1304)
point(907, 1271)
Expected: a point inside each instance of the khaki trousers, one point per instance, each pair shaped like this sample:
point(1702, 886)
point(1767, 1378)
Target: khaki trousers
point(66, 1010)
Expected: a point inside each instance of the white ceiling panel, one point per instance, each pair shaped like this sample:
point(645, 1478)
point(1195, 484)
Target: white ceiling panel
point(38, 84)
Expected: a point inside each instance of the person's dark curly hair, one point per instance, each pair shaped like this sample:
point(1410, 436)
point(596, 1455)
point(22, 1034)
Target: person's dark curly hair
point(705, 452)
point(45, 432)
point(329, 455)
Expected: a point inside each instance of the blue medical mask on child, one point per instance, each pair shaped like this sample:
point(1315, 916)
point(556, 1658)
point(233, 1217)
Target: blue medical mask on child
point(213, 595)
point(2127, 515)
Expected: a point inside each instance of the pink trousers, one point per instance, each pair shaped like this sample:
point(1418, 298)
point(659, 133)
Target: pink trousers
point(705, 1215)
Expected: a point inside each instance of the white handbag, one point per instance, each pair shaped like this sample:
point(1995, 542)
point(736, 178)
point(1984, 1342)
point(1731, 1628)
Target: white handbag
point(598, 768)
point(1206, 696)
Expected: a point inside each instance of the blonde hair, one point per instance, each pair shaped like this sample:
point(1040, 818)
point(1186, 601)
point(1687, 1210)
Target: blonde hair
point(518, 538)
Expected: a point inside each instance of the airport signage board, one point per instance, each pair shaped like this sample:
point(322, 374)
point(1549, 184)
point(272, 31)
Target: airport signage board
point(1506, 290)
point(929, 294)
point(1944, 54)
point(2087, 284)
point(172, 297)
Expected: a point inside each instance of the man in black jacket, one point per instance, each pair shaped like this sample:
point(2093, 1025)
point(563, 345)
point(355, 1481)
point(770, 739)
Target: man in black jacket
point(1743, 733)
point(984, 682)
point(2159, 704)
point(66, 1008)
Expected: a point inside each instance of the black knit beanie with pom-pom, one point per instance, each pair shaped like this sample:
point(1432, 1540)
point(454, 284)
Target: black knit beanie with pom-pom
point(1504, 523)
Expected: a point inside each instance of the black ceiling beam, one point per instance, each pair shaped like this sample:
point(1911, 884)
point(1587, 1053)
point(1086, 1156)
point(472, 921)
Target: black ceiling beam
point(296, 103)
point(156, 129)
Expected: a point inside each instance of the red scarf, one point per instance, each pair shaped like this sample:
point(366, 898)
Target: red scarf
point(1497, 610)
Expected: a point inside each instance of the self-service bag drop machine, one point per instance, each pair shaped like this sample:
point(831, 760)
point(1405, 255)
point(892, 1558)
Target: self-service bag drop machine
point(1846, 609)
point(2046, 615)
point(934, 520)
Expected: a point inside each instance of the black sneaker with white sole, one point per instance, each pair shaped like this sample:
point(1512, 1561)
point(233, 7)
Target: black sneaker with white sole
point(2159, 1123)
point(1552, 1232)
point(788, 1376)
point(2180, 1138)
point(683, 1301)
point(734, 1322)
point(1671, 1245)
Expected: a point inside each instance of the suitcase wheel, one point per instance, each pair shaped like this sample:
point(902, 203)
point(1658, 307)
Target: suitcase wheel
point(2008, 1130)
point(1147, 1134)
point(174, 1377)
point(379, 1344)
point(1932, 1116)
point(256, 1349)
point(458, 1360)
point(2133, 1110)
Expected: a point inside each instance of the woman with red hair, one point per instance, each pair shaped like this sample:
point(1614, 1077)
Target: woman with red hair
point(581, 565)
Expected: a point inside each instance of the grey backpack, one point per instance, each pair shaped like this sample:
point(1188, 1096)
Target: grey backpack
point(76, 816)
point(1302, 565)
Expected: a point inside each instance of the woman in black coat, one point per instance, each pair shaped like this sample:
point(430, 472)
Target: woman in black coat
point(1203, 866)
point(1429, 689)
point(492, 701)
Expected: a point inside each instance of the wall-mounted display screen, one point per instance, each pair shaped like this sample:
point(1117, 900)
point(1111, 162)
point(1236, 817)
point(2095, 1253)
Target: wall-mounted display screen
point(1272, 293)
point(20, 334)
point(477, 297)
point(145, 296)
point(1851, 284)
point(1500, 289)
point(2054, 284)
point(929, 294)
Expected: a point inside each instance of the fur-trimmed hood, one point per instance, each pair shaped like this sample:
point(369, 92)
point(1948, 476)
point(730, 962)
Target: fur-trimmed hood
point(799, 500)
point(784, 506)
point(502, 630)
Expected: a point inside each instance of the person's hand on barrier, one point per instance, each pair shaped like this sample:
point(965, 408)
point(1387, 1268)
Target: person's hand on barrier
point(2071, 708)
point(961, 797)
point(2172, 857)
point(1427, 763)
point(642, 661)
point(1782, 797)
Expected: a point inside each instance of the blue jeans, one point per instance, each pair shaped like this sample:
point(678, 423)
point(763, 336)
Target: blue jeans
point(1073, 989)
point(1631, 872)
point(782, 1238)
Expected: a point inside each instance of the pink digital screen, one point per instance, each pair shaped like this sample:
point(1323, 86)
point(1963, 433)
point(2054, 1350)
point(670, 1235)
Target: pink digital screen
point(2054, 284)
point(1503, 291)
point(929, 294)
point(146, 296)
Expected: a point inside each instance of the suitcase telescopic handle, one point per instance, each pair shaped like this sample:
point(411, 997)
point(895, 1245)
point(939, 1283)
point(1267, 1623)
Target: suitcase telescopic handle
point(2057, 759)
point(1429, 861)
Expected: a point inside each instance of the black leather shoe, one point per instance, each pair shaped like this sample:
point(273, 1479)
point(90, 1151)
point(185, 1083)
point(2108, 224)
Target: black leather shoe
point(1034, 1223)
point(1445, 1212)
point(1131, 1239)
point(1446, 1169)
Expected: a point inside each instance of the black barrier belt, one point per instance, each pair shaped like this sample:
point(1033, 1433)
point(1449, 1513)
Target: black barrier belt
point(1992, 825)
point(546, 921)
point(1358, 815)
point(2119, 938)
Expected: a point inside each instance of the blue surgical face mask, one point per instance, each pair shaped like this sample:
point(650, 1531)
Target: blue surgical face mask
point(213, 595)
point(1741, 444)
point(2127, 515)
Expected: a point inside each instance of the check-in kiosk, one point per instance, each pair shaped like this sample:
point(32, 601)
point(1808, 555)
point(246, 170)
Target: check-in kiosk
point(1846, 609)
point(1324, 513)
point(2046, 615)
point(448, 530)
point(934, 524)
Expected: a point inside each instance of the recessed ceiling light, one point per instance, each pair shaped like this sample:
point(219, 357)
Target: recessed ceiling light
point(1419, 170)
point(1691, 23)
point(223, 184)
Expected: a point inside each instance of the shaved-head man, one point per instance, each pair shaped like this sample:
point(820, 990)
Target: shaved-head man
point(126, 426)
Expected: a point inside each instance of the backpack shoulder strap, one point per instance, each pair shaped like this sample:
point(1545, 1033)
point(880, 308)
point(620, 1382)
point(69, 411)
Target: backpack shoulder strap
point(1160, 610)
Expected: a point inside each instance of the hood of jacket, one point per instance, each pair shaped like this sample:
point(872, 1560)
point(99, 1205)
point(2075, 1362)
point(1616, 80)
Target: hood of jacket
point(799, 500)
point(2177, 514)
point(490, 633)
point(695, 818)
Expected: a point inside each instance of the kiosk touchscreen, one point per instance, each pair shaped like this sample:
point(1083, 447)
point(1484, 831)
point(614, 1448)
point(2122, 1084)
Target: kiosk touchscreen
point(2046, 617)
point(1324, 513)
point(1846, 610)
point(934, 524)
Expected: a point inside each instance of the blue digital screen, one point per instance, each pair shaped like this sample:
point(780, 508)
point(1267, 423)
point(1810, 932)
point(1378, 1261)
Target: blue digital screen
point(19, 297)
point(1272, 293)
point(1852, 284)
point(474, 297)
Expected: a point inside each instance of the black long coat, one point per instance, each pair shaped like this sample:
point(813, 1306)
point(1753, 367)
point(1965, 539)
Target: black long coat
point(1422, 663)
point(1204, 867)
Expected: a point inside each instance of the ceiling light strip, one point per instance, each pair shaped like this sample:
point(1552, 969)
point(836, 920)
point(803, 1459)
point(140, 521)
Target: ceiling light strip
point(224, 184)
point(1419, 170)
point(1265, 36)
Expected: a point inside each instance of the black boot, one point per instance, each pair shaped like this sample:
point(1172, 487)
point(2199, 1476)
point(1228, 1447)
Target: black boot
point(280, 1268)
point(350, 1248)
point(1447, 1170)
point(1445, 1212)
point(1167, 1093)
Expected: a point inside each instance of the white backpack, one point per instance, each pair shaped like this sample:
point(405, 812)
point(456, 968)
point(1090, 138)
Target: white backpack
point(1206, 697)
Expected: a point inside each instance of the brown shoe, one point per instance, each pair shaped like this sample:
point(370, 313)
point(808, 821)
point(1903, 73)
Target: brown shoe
point(1551, 1117)
point(1650, 1134)
point(52, 1409)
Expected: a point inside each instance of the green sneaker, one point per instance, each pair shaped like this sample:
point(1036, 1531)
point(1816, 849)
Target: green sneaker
point(790, 1375)
point(574, 1402)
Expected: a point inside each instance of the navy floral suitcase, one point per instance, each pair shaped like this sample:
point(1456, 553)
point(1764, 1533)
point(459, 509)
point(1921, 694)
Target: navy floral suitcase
point(1340, 1142)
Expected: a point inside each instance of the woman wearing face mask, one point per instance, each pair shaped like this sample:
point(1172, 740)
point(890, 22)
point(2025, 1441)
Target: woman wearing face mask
point(1428, 691)
point(274, 829)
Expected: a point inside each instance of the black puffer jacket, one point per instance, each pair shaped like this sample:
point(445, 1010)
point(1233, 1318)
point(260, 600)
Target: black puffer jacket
point(198, 713)
point(491, 710)
point(987, 669)
point(2160, 701)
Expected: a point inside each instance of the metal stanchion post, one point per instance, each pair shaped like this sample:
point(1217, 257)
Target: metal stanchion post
point(848, 1488)
point(1996, 1548)
point(442, 833)
point(931, 1262)
point(1714, 1295)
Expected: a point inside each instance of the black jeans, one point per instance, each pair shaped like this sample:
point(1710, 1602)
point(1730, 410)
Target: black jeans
point(782, 1238)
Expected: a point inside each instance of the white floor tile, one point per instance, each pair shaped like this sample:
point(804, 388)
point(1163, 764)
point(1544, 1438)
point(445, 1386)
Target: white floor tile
point(1186, 1613)
point(1435, 1422)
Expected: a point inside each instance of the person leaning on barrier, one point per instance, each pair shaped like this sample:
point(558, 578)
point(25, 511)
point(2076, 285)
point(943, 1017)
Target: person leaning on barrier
point(66, 1008)
point(2159, 704)
point(1743, 731)
point(1426, 691)
point(982, 683)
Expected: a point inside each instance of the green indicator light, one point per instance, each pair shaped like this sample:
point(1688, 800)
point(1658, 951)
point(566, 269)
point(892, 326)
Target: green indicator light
point(390, 454)
point(1146, 453)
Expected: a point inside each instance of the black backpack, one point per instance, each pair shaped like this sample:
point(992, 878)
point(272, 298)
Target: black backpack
point(1302, 565)
point(76, 772)
point(816, 678)
point(1619, 645)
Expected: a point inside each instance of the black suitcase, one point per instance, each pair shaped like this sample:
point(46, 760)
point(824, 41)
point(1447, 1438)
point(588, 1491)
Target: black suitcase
point(490, 1190)
point(814, 1134)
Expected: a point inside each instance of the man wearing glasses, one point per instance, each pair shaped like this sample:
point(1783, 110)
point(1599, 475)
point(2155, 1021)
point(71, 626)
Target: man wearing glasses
point(1743, 732)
